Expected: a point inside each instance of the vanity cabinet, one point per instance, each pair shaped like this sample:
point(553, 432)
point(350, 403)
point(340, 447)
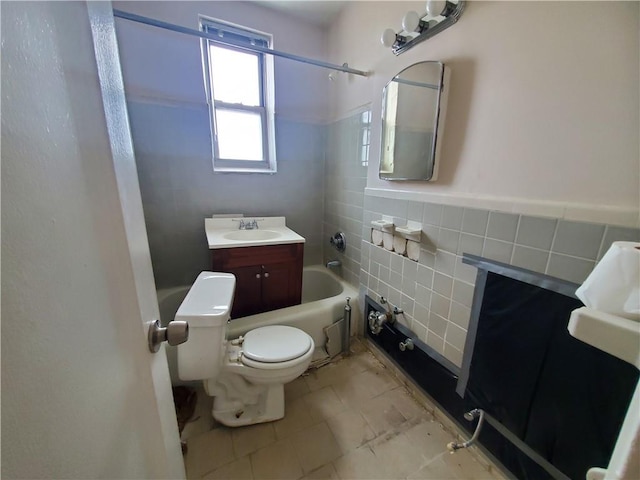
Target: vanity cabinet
point(267, 277)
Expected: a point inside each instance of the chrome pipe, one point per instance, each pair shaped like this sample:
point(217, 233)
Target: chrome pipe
point(476, 413)
point(511, 437)
point(214, 38)
point(346, 339)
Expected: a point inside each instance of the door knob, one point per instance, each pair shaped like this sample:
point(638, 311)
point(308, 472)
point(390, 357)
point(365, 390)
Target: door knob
point(174, 333)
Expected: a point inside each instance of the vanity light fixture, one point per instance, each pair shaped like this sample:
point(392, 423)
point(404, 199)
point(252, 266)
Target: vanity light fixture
point(416, 28)
point(411, 22)
point(390, 39)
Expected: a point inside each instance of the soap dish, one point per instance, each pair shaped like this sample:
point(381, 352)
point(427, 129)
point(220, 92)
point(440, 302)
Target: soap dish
point(410, 231)
point(384, 225)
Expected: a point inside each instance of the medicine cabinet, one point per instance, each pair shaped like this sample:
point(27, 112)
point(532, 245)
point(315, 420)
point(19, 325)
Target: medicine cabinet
point(413, 106)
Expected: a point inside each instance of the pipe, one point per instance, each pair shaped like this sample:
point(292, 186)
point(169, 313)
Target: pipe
point(453, 446)
point(214, 38)
point(346, 336)
point(511, 437)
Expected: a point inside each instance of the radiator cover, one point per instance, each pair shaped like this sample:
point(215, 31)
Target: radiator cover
point(564, 399)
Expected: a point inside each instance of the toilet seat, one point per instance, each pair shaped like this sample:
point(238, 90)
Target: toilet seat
point(275, 347)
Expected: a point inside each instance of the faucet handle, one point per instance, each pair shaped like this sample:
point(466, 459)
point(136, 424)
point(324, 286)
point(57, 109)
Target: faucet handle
point(242, 225)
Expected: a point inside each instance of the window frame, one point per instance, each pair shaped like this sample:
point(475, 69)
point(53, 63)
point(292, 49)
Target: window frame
point(365, 136)
point(267, 98)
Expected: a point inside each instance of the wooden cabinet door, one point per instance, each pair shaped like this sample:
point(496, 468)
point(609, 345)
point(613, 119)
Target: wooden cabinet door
point(267, 277)
point(247, 299)
point(279, 281)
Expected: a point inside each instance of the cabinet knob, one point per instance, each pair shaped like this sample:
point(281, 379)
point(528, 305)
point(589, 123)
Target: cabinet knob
point(266, 275)
point(257, 275)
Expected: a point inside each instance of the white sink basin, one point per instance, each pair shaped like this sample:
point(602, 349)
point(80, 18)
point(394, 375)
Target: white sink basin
point(252, 235)
point(224, 232)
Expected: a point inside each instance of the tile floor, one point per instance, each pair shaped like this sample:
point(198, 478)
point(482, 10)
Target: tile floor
point(351, 419)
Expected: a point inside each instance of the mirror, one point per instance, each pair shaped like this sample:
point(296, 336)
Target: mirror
point(412, 111)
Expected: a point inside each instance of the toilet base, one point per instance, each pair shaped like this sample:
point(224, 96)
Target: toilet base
point(234, 413)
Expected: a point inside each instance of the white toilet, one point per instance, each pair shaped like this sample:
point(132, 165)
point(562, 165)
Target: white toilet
point(246, 376)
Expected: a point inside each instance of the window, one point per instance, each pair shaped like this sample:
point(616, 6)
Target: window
point(365, 137)
point(240, 93)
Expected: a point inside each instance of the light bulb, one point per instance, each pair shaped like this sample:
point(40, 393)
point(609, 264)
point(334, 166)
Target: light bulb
point(388, 37)
point(410, 21)
point(435, 7)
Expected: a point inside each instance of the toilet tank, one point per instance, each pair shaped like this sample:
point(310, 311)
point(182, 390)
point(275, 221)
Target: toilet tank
point(206, 308)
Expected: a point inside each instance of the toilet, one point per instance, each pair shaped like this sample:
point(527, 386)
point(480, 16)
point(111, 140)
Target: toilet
point(246, 375)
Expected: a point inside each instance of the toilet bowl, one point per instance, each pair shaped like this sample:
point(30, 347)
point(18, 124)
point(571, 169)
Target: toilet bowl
point(250, 388)
point(246, 376)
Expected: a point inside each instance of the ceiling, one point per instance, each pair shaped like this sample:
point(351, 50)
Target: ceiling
point(320, 13)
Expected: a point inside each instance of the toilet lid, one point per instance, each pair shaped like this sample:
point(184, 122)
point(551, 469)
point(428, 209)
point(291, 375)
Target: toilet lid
point(276, 343)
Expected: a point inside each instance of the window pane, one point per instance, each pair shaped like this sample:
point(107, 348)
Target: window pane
point(235, 76)
point(239, 135)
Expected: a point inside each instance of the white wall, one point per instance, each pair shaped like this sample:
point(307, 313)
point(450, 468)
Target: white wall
point(166, 65)
point(78, 396)
point(543, 114)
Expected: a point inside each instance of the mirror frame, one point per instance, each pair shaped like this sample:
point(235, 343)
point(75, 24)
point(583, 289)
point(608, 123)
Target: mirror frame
point(433, 161)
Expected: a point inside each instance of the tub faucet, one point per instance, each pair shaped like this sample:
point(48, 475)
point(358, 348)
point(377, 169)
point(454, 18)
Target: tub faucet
point(334, 263)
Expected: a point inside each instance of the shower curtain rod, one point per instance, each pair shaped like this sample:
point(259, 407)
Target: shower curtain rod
point(214, 38)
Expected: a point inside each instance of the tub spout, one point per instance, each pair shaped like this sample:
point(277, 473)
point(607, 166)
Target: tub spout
point(334, 263)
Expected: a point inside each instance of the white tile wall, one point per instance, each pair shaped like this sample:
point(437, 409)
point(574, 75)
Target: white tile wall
point(438, 290)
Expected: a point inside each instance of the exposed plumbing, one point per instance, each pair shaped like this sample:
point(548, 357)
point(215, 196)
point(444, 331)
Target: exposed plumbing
point(475, 413)
point(334, 264)
point(406, 345)
point(378, 319)
point(346, 333)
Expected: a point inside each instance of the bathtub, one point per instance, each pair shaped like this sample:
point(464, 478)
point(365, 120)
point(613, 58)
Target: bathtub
point(323, 300)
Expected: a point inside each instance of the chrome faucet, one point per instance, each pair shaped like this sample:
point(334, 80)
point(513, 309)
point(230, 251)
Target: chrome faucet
point(334, 264)
point(252, 225)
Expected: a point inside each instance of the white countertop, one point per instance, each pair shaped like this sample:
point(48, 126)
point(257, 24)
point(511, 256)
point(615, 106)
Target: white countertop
point(225, 232)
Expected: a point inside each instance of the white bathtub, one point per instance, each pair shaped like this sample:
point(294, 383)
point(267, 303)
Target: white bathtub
point(323, 300)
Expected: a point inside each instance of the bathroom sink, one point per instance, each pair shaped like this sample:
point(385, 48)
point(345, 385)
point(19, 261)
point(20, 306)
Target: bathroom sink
point(223, 232)
point(252, 235)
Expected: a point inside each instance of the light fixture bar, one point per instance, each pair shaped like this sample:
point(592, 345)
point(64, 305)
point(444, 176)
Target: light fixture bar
point(214, 38)
point(404, 40)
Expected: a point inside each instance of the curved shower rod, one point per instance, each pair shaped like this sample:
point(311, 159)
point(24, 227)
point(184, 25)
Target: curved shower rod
point(214, 38)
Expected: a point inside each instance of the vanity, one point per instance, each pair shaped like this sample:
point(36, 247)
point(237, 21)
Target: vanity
point(264, 255)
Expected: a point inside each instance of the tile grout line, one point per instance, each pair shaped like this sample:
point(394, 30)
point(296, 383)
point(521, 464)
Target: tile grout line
point(553, 241)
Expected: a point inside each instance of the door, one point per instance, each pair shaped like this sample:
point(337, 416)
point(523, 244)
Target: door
point(279, 285)
point(247, 300)
point(82, 397)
